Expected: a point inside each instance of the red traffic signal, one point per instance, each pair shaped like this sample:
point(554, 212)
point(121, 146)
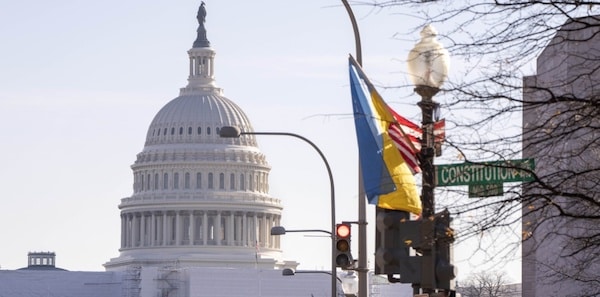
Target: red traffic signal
point(343, 257)
point(342, 230)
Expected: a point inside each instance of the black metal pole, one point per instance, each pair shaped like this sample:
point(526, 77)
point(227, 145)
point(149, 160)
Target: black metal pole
point(427, 154)
point(426, 157)
point(362, 268)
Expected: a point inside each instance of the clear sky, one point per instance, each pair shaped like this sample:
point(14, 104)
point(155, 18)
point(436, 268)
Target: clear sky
point(80, 82)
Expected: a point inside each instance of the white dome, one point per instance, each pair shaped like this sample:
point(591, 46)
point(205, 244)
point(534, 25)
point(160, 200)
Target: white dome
point(199, 199)
point(196, 118)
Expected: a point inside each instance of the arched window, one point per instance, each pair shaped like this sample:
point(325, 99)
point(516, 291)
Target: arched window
point(156, 179)
point(242, 182)
point(176, 181)
point(222, 181)
point(165, 181)
point(190, 130)
point(210, 180)
point(199, 130)
point(173, 131)
point(165, 131)
point(208, 130)
point(180, 130)
point(158, 131)
point(198, 180)
point(186, 183)
point(232, 181)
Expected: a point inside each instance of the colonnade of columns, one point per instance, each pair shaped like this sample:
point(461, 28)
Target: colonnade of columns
point(198, 228)
point(201, 64)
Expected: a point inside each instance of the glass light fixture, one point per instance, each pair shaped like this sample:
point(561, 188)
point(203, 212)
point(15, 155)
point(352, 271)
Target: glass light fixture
point(428, 62)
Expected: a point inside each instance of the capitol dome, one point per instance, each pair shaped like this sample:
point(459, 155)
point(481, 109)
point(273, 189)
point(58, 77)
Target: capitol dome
point(195, 118)
point(199, 200)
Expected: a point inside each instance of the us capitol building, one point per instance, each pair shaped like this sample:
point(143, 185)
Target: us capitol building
point(198, 222)
point(199, 199)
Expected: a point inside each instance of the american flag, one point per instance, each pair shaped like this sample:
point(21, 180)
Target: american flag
point(407, 138)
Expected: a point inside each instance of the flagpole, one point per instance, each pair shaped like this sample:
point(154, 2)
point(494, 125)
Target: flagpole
point(362, 268)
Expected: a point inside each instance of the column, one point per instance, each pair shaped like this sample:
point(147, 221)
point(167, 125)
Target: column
point(230, 229)
point(198, 69)
point(261, 233)
point(192, 228)
point(178, 228)
point(129, 230)
point(278, 238)
point(165, 229)
point(123, 234)
point(142, 229)
point(136, 230)
point(254, 235)
point(267, 230)
point(204, 228)
point(245, 229)
point(218, 232)
point(152, 229)
point(237, 236)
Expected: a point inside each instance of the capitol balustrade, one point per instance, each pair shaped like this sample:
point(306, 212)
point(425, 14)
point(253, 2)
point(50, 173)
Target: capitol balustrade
point(208, 196)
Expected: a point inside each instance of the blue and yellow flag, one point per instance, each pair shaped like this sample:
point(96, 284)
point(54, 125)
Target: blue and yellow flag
point(388, 180)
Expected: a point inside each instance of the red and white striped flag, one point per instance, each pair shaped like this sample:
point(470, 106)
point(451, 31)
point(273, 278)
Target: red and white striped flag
point(407, 138)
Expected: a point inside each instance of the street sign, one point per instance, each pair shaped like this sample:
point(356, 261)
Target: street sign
point(485, 172)
point(486, 190)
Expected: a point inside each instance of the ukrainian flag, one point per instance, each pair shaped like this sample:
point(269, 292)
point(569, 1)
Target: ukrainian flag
point(388, 180)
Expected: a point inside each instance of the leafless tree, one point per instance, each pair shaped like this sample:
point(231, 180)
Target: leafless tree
point(485, 284)
point(528, 81)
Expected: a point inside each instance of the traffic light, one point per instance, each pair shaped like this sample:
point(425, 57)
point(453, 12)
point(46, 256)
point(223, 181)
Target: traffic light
point(343, 257)
point(396, 235)
point(421, 251)
point(445, 271)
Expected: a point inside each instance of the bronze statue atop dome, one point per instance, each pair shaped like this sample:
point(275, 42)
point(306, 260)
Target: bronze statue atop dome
point(201, 40)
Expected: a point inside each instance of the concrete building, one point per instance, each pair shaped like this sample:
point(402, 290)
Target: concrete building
point(560, 133)
point(153, 282)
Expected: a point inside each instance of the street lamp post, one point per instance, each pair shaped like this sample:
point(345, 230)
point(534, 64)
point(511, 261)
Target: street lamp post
point(235, 132)
point(428, 64)
point(362, 268)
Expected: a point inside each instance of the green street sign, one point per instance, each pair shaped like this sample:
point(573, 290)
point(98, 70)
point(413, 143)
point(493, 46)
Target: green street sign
point(485, 172)
point(486, 190)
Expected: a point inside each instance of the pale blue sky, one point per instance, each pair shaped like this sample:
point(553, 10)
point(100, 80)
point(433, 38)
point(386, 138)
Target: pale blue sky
point(80, 82)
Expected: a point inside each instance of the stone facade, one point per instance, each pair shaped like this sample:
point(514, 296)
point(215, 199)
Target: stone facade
point(560, 137)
